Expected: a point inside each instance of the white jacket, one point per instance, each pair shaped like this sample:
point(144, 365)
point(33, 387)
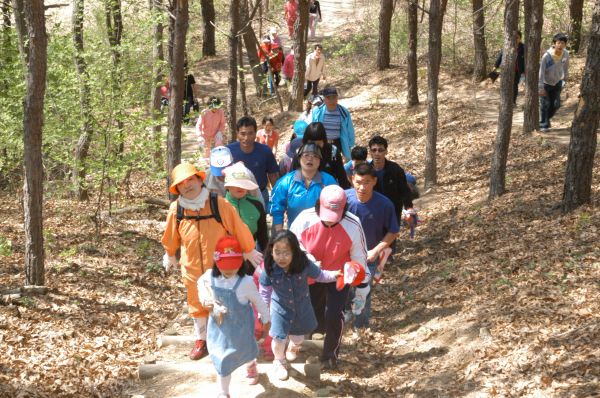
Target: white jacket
point(314, 71)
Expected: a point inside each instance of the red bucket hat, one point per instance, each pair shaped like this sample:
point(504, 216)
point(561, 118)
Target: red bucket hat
point(228, 253)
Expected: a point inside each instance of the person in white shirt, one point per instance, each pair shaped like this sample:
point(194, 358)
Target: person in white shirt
point(315, 70)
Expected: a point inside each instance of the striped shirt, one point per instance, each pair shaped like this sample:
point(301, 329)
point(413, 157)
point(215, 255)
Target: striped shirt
point(332, 120)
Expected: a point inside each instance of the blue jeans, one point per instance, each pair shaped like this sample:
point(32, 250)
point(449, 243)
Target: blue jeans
point(549, 103)
point(362, 320)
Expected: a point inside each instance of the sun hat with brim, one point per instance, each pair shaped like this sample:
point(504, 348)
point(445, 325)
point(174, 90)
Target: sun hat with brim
point(331, 203)
point(182, 172)
point(214, 103)
point(293, 148)
point(220, 157)
point(228, 254)
point(239, 176)
point(353, 275)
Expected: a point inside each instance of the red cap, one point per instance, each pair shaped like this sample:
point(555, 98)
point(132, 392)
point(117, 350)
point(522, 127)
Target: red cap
point(228, 254)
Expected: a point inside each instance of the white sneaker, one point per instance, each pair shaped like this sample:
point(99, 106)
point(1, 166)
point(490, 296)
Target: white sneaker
point(280, 369)
point(292, 352)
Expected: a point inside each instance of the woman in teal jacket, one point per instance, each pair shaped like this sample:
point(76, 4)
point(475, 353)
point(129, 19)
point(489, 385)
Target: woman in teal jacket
point(346, 138)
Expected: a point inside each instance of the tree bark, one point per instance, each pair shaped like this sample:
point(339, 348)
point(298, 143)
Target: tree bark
point(114, 30)
point(251, 45)
point(208, 36)
point(582, 148)
point(481, 57)
point(180, 28)
point(509, 59)
point(83, 144)
point(296, 100)
point(534, 19)
point(234, 27)
point(385, 26)
point(436, 16)
point(158, 57)
point(21, 26)
point(412, 77)
point(242, 77)
point(576, 13)
point(32, 36)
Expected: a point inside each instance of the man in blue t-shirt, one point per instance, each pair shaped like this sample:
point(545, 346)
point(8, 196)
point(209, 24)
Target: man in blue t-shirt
point(256, 156)
point(379, 221)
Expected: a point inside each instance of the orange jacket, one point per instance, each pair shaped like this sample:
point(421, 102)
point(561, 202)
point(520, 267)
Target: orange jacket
point(198, 238)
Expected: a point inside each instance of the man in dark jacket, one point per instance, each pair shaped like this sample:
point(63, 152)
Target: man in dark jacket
point(519, 66)
point(391, 179)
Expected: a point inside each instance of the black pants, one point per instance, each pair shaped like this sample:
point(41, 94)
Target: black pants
point(549, 103)
point(312, 85)
point(188, 104)
point(328, 304)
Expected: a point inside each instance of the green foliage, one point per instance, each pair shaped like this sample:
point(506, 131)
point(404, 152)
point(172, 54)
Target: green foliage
point(153, 268)
point(5, 247)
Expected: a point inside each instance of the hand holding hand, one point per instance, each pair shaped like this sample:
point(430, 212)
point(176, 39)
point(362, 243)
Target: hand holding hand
point(372, 255)
point(254, 257)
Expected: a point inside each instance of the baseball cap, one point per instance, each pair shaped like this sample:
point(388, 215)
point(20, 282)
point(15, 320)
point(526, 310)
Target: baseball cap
point(228, 253)
point(299, 128)
point(310, 147)
point(239, 176)
point(331, 203)
point(220, 157)
point(327, 91)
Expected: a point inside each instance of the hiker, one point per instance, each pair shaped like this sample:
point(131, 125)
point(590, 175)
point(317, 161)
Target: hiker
point(284, 285)
point(287, 71)
point(331, 236)
point(358, 155)
point(195, 222)
point(276, 62)
point(290, 12)
point(275, 38)
point(391, 179)
point(519, 65)
point(285, 164)
point(263, 53)
point(210, 126)
point(239, 182)
point(299, 189)
point(268, 135)
point(314, 16)
point(189, 95)
point(554, 69)
point(332, 160)
point(337, 122)
point(256, 156)
point(228, 292)
point(315, 70)
point(379, 222)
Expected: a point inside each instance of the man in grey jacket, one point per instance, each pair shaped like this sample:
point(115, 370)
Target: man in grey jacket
point(554, 68)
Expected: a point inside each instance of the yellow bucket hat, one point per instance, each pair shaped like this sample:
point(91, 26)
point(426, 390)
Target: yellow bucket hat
point(181, 172)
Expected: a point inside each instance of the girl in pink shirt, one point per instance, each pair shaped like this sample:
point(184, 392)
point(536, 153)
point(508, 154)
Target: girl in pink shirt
point(211, 126)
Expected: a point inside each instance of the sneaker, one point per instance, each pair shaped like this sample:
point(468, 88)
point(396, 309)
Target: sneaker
point(292, 352)
point(199, 351)
point(280, 370)
point(544, 129)
point(252, 374)
point(329, 364)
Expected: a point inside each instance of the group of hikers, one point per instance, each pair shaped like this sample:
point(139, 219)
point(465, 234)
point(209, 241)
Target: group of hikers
point(554, 69)
point(335, 216)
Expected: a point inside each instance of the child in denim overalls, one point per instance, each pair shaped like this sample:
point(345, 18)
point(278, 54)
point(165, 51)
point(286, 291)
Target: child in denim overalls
point(228, 292)
point(286, 274)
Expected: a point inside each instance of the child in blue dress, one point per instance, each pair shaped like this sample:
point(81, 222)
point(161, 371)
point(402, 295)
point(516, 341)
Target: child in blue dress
point(285, 284)
point(228, 292)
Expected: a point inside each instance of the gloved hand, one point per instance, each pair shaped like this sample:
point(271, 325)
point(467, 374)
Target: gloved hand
point(254, 257)
point(168, 262)
point(360, 299)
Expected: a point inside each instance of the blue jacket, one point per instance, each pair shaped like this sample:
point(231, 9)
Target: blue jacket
point(291, 195)
point(347, 132)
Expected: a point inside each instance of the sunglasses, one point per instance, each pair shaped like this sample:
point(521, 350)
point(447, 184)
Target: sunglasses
point(376, 150)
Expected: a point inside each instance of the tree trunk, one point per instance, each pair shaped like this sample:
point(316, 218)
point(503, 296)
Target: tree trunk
point(296, 100)
point(582, 148)
point(242, 76)
point(436, 16)
point(481, 57)
point(158, 58)
point(576, 13)
point(21, 26)
point(509, 59)
point(114, 30)
point(31, 15)
point(172, 7)
point(208, 36)
point(534, 19)
point(251, 44)
point(234, 27)
point(6, 27)
point(385, 26)
point(83, 144)
point(180, 28)
point(411, 58)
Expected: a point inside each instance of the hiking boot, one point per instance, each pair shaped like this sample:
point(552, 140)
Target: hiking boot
point(329, 364)
point(280, 370)
point(199, 351)
point(252, 374)
point(292, 352)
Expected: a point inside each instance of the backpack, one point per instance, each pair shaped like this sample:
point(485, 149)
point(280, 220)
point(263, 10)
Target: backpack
point(214, 209)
